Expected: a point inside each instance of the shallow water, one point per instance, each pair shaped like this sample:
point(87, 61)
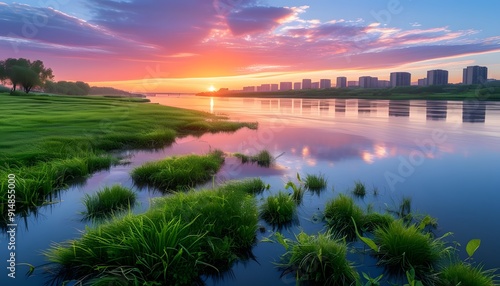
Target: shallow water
point(444, 155)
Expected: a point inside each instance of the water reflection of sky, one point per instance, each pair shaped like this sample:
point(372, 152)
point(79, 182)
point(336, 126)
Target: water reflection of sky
point(445, 155)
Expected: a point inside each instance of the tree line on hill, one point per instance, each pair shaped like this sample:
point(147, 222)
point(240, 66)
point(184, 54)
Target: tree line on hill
point(28, 75)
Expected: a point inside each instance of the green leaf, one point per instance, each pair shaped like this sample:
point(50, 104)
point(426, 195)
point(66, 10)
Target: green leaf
point(472, 246)
point(366, 240)
point(298, 177)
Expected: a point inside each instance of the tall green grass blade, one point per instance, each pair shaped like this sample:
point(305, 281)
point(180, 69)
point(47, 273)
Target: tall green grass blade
point(366, 240)
point(472, 246)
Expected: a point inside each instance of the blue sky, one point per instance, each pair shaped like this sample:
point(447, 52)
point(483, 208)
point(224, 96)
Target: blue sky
point(245, 42)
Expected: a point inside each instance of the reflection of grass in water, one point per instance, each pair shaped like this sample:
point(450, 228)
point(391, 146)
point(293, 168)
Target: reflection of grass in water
point(461, 273)
point(340, 212)
point(403, 247)
point(278, 209)
point(263, 158)
point(315, 183)
point(108, 201)
point(181, 237)
point(317, 259)
point(179, 173)
point(359, 189)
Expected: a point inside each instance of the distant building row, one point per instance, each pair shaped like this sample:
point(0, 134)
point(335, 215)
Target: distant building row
point(471, 75)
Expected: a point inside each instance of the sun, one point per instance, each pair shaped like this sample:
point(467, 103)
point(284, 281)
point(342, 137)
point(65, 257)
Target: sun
point(211, 88)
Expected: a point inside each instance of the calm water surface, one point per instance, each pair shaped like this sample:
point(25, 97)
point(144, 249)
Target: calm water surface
point(444, 155)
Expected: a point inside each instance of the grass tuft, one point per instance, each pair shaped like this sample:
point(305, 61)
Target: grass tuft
point(180, 238)
point(279, 209)
point(403, 247)
point(359, 189)
point(108, 201)
point(250, 186)
point(464, 274)
point(315, 183)
point(318, 259)
point(179, 173)
point(340, 212)
point(263, 158)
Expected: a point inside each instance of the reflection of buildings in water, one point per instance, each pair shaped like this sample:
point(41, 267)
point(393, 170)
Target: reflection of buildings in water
point(340, 105)
point(364, 106)
point(473, 112)
point(286, 105)
point(297, 106)
point(265, 104)
point(275, 104)
point(399, 108)
point(324, 107)
point(436, 109)
point(306, 106)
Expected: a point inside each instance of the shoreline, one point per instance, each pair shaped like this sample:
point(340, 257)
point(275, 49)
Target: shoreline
point(488, 92)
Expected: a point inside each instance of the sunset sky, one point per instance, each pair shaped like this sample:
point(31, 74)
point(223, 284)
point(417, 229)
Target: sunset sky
point(189, 45)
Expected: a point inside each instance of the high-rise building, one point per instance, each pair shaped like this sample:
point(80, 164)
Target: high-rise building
point(422, 82)
point(352, 83)
point(274, 87)
point(315, 85)
point(400, 79)
point(384, 83)
point(306, 83)
point(297, 85)
point(341, 82)
point(325, 83)
point(437, 77)
point(286, 85)
point(265, 87)
point(475, 75)
point(249, 89)
point(368, 82)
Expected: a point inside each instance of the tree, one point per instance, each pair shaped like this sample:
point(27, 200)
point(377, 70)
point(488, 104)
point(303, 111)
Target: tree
point(24, 73)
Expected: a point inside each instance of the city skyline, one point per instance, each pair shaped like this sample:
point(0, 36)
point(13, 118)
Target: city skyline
point(148, 45)
point(471, 75)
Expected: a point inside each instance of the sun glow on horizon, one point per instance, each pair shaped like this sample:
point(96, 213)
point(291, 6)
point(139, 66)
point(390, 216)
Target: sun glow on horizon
point(212, 88)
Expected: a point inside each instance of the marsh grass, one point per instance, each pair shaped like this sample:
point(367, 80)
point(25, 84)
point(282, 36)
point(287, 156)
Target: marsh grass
point(179, 173)
point(181, 237)
point(250, 186)
point(317, 259)
point(51, 141)
point(374, 220)
point(403, 247)
point(461, 273)
point(108, 201)
point(315, 183)
point(359, 189)
point(339, 215)
point(263, 158)
point(279, 209)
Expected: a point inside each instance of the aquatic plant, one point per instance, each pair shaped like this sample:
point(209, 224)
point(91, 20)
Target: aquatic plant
point(263, 158)
point(178, 173)
point(339, 215)
point(278, 209)
point(317, 259)
point(461, 273)
point(374, 220)
point(402, 247)
point(359, 189)
point(250, 186)
point(315, 183)
point(108, 201)
point(298, 189)
point(181, 237)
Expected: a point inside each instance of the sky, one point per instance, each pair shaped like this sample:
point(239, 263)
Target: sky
point(189, 45)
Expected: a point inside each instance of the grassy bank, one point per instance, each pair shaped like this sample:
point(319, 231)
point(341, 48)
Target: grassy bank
point(50, 141)
point(488, 91)
point(180, 238)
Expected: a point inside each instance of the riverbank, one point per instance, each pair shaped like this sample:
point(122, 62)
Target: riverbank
point(489, 91)
point(48, 142)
